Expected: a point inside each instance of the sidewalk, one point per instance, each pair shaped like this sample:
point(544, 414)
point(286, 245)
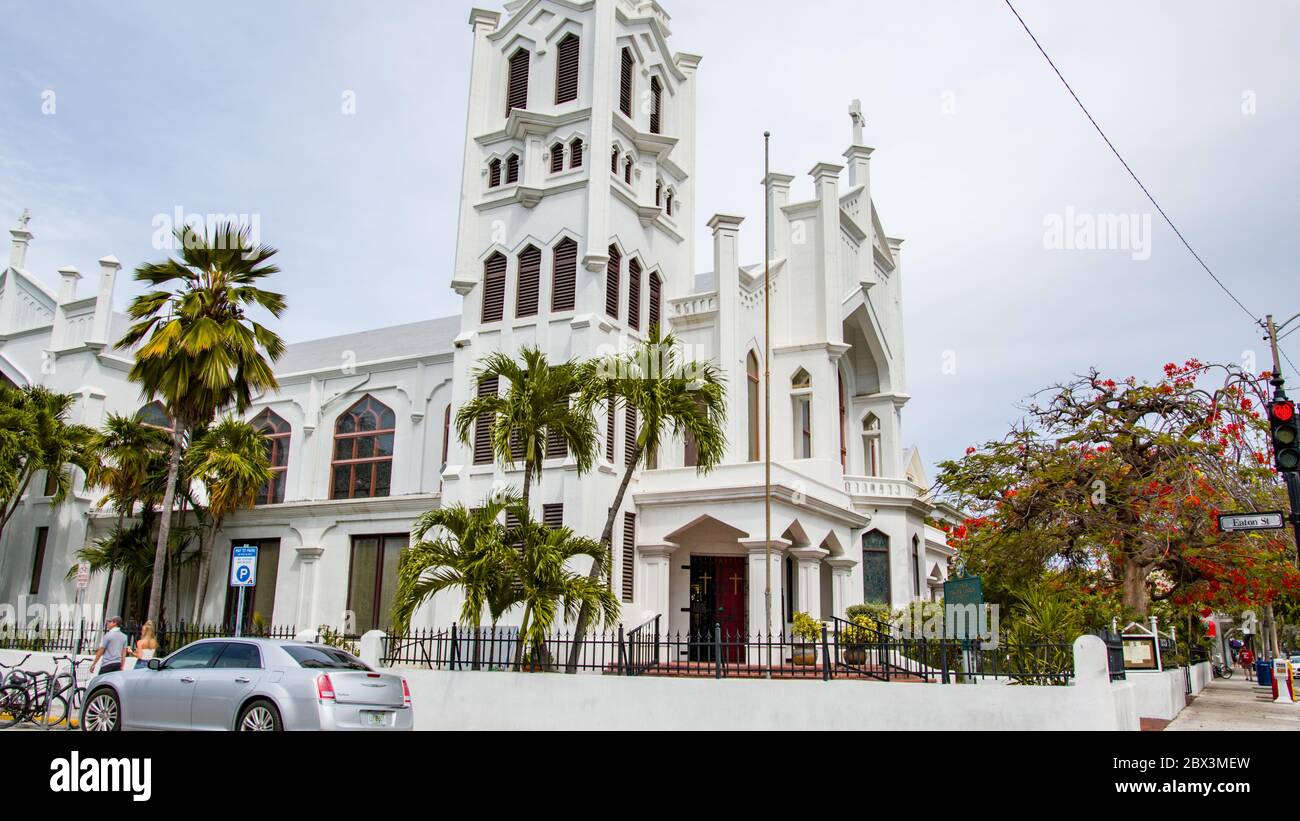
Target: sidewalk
point(1236, 705)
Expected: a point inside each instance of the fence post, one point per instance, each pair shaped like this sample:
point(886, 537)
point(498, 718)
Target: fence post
point(943, 659)
point(622, 652)
point(717, 650)
point(657, 648)
point(455, 645)
point(826, 656)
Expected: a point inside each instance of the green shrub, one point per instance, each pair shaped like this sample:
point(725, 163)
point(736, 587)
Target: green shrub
point(806, 627)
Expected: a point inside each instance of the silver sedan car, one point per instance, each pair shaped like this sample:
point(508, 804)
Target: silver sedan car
point(249, 685)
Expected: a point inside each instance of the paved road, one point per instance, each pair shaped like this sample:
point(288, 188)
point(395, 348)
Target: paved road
point(1236, 705)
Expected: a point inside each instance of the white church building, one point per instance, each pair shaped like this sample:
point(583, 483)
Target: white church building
point(577, 233)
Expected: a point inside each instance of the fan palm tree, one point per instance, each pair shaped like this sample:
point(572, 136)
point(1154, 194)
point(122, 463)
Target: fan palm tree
point(35, 436)
point(231, 460)
point(126, 451)
point(468, 554)
point(673, 399)
point(538, 405)
point(201, 352)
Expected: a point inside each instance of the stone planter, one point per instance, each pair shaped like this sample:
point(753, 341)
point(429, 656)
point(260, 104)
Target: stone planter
point(804, 655)
point(855, 655)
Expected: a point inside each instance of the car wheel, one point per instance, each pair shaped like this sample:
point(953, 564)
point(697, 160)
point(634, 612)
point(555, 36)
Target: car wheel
point(103, 712)
point(260, 717)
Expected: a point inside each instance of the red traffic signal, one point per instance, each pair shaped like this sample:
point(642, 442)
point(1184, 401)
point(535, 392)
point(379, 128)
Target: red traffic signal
point(1284, 411)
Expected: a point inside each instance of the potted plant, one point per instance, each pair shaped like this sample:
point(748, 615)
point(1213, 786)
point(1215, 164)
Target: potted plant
point(866, 622)
point(807, 632)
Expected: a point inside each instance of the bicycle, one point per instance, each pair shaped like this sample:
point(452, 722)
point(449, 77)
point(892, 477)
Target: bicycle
point(9, 671)
point(1221, 670)
point(44, 699)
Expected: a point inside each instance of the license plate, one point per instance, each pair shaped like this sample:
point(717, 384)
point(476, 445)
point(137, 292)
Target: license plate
point(376, 719)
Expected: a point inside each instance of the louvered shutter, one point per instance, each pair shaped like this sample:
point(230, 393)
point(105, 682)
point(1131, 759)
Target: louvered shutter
point(575, 154)
point(494, 174)
point(557, 158)
point(564, 283)
point(659, 192)
point(613, 161)
point(610, 426)
point(512, 169)
point(634, 295)
point(656, 106)
point(530, 281)
point(629, 556)
point(517, 88)
point(483, 427)
point(612, 274)
point(566, 71)
point(627, 171)
point(556, 447)
point(625, 83)
point(629, 438)
point(553, 516)
point(517, 451)
point(669, 207)
point(494, 289)
point(656, 301)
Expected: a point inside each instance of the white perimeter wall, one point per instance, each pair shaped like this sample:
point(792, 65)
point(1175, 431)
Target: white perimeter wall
point(1161, 695)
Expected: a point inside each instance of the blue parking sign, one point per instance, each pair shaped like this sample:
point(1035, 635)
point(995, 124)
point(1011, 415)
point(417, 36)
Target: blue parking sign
point(243, 567)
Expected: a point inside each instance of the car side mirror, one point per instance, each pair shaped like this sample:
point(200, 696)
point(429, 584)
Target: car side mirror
point(155, 664)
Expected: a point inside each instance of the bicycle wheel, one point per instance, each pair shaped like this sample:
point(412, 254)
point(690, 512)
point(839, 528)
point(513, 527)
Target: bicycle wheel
point(13, 705)
point(56, 712)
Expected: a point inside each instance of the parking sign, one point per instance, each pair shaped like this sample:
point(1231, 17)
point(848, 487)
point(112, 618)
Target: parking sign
point(243, 567)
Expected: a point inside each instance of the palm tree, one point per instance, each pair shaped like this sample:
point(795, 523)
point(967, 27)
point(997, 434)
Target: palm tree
point(671, 398)
point(232, 462)
point(537, 406)
point(126, 551)
point(468, 555)
point(126, 451)
point(201, 352)
point(35, 436)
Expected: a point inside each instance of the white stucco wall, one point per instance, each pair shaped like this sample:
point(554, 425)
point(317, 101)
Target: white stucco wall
point(1160, 695)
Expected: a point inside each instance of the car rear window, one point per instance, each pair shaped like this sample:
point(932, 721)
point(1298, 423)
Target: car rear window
point(324, 658)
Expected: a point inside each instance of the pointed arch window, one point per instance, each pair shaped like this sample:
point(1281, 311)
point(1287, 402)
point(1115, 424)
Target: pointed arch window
point(659, 193)
point(517, 86)
point(871, 445)
point(627, 170)
point(754, 385)
point(613, 160)
point(575, 153)
point(494, 288)
point(530, 282)
point(844, 447)
point(364, 438)
point(564, 276)
point(154, 415)
point(613, 281)
point(512, 169)
point(668, 205)
point(916, 566)
point(557, 158)
point(656, 302)
point(875, 568)
point(566, 69)
point(494, 174)
point(277, 434)
point(446, 440)
point(801, 395)
point(625, 87)
point(656, 106)
point(634, 294)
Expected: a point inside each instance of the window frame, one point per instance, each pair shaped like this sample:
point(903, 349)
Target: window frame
point(382, 540)
point(277, 443)
point(373, 461)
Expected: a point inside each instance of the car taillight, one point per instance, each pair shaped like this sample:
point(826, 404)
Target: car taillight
point(406, 693)
point(324, 687)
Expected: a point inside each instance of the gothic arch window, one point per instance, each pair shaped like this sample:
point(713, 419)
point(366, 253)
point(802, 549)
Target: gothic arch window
point(669, 202)
point(277, 433)
point(801, 396)
point(754, 384)
point(364, 437)
point(844, 446)
point(557, 158)
point(656, 106)
point(875, 568)
point(627, 169)
point(446, 440)
point(634, 294)
point(613, 160)
point(494, 174)
point(871, 445)
point(659, 193)
point(916, 565)
point(517, 84)
point(494, 288)
point(656, 302)
point(575, 152)
point(154, 415)
point(512, 169)
point(566, 69)
point(625, 86)
point(530, 282)
point(564, 276)
point(613, 281)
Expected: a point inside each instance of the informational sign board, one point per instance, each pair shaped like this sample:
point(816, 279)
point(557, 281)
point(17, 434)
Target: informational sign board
point(1140, 653)
point(243, 567)
point(1249, 522)
point(83, 576)
point(967, 596)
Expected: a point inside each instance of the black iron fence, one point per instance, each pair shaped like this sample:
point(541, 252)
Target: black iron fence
point(84, 637)
point(841, 651)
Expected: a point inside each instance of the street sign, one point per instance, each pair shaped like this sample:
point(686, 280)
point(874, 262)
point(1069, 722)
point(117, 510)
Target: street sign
point(1248, 522)
point(243, 567)
point(83, 576)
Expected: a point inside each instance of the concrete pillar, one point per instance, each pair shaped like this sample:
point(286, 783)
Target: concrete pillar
point(68, 278)
point(758, 565)
point(309, 563)
point(22, 238)
point(1091, 662)
point(726, 266)
point(778, 197)
point(654, 563)
point(841, 587)
point(100, 326)
point(826, 182)
point(808, 579)
point(372, 648)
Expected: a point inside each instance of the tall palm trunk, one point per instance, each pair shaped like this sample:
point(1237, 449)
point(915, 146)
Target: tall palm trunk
point(205, 567)
point(607, 544)
point(165, 527)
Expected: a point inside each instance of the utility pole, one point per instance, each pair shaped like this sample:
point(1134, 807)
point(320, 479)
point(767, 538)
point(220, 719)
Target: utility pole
point(767, 385)
point(1291, 478)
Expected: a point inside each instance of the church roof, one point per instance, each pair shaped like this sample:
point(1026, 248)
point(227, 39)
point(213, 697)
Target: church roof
point(426, 338)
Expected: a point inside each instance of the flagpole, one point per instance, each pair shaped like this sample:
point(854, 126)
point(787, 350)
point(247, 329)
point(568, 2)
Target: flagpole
point(767, 382)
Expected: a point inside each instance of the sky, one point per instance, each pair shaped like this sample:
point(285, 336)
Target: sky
point(112, 113)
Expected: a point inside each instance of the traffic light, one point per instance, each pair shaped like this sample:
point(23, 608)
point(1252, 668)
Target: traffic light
point(1286, 435)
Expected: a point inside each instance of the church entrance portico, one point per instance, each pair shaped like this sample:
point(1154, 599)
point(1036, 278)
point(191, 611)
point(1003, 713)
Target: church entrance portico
point(719, 589)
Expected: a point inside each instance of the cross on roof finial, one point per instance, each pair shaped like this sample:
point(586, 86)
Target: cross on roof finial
point(859, 121)
point(24, 219)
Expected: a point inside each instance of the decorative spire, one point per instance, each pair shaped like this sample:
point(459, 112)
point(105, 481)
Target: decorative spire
point(24, 219)
point(859, 121)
